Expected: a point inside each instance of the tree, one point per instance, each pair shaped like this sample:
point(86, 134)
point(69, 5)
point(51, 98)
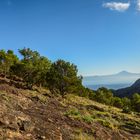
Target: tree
point(126, 102)
point(136, 102)
point(62, 77)
point(103, 95)
point(7, 59)
point(28, 54)
point(32, 68)
point(41, 67)
point(117, 102)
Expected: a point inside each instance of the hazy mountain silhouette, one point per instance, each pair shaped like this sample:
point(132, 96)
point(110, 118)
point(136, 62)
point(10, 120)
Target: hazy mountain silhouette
point(114, 81)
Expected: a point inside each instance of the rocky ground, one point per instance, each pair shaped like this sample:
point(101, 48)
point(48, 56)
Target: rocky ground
point(37, 115)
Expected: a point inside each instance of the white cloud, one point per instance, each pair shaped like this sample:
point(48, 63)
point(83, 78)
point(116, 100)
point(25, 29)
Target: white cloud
point(118, 6)
point(138, 5)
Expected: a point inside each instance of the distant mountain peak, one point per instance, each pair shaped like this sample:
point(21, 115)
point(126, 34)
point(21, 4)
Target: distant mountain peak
point(124, 72)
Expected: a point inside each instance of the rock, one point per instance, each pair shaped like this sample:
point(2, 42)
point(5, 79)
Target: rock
point(24, 125)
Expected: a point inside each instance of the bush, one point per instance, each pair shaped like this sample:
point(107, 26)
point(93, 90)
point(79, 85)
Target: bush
point(117, 102)
point(87, 119)
point(126, 109)
point(62, 77)
point(103, 95)
point(72, 112)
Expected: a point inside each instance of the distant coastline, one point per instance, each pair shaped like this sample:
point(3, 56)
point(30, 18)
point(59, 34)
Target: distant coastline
point(109, 86)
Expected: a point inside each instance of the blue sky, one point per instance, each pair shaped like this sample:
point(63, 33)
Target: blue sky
point(99, 36)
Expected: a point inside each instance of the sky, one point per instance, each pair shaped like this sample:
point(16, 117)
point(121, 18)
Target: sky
point(99, 36)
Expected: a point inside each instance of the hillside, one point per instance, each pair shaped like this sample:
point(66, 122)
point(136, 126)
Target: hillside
point(115, 81)
point(37, 115)
point(129, 91)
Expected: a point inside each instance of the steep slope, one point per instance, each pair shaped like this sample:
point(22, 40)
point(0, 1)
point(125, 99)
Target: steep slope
point(129, 91)
point(37, 115)
point(114, 81)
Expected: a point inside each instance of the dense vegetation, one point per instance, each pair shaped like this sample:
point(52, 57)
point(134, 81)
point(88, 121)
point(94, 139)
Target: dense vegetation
point(60, 77)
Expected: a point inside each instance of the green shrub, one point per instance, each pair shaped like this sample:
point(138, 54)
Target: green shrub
point(72, 112)
point(126, 109)
point(105, 123)
point(87, 119)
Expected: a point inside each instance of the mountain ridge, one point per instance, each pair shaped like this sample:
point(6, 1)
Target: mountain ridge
point(128, 91)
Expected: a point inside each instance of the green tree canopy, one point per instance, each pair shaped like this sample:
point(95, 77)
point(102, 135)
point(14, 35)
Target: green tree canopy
point(62, 76)
point(117, 102)
point(136, 102)
point(103, 95)
point(32, 68)
point(7, 59)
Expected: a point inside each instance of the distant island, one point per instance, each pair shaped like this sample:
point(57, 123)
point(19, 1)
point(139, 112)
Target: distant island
point(115, 81)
